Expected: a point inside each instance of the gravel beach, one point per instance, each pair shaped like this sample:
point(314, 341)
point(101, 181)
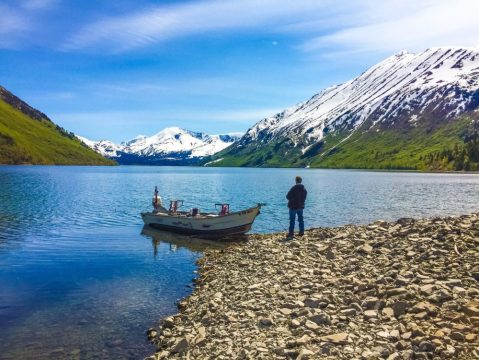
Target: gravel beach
point(401, 290)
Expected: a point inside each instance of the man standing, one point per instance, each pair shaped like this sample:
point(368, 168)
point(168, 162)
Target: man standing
point(296, 197)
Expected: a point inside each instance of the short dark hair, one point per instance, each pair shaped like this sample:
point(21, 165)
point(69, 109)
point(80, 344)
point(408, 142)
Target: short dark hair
point(299, 179)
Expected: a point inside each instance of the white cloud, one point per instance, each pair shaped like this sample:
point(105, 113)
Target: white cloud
point(435, 23)
point(356, 25)
point(11, 22)
point(17, 22)
point(162, 23)
point(37, 4)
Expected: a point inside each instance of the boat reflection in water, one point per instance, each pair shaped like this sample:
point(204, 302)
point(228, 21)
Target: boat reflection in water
point(190, 242)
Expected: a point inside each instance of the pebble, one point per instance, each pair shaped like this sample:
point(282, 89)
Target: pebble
point(386, 290)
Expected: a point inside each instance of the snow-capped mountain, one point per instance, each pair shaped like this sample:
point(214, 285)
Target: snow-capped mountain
point(170, 146)
point(404, 92)
point(104, 147)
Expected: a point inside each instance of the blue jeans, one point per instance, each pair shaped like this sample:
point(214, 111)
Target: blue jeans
point(292, 219)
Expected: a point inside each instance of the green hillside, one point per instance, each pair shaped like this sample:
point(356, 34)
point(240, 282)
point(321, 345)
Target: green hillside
point(28, 140)
point(431, 145)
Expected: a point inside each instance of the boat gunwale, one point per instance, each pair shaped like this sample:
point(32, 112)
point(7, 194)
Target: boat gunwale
point(183, 215)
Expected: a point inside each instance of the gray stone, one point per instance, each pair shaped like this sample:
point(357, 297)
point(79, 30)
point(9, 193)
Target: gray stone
point(400, 308)
point(396, 291)
point(456, 335)
point(181, 346)
point(321, 319)
point(426, 346)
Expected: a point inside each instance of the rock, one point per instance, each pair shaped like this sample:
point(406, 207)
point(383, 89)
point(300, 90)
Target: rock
point(321, 319)
point(396, 291)
point(370, 314)
point(450, 351)
point(440, 296)
point(459, 290)
point(427, 289)
point(305, 354)
point(456, 335)
point(400, 308)
point(426, 346)
point(471, 309)
point(294, 323)
point(389, 312)
point(339, 338)
point(372, 302)
point(401, 345)
point(285, 311)
point(151, 333)
point(311, 325)
point(405, 221)
point(265, 322)
point(200, 338)
point(424, 306)
point(394, 356)
point(394, 335)
point(365, 249)
point(453, 283)
point(266, 299)
point(470, 337)
point(168, 322)
point(383, 334)
point(291, 353)
point(330, 255)
point(311, 303)
point(348, 312)
point(181, 346)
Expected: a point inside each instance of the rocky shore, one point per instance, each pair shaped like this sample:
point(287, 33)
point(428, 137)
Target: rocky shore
point(402, 290)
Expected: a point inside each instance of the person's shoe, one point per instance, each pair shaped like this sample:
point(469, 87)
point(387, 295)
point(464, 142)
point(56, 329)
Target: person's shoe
point(301, 234)
point(290, 237)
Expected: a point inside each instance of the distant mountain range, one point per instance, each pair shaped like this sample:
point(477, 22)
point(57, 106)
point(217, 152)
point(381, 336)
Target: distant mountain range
point(171, 146)
point(410, 111)
point(28, 136)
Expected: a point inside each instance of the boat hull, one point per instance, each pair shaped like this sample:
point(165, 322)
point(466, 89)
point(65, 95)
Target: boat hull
point(212, 227)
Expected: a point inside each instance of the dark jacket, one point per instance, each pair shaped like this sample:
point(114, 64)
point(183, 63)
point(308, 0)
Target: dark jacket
point(296, 197)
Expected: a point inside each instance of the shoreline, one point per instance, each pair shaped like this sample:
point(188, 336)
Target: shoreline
point(394, 290)
point(459, 172)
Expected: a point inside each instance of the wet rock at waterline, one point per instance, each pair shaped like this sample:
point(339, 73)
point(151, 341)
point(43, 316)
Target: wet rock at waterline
point(401, 290)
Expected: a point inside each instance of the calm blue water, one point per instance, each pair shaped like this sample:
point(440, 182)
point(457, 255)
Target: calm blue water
point(79, 279)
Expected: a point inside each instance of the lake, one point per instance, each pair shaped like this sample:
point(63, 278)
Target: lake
point(80, 278)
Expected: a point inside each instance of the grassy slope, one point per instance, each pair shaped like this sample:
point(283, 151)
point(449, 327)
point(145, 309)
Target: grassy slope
point(386, 149)
point(24, 140)
point(277, 154)
point(392, 149)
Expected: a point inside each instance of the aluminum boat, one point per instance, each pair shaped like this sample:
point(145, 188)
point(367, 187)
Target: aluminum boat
point(223, 223)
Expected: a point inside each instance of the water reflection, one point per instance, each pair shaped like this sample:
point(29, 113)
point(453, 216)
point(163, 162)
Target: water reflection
point(178, 241)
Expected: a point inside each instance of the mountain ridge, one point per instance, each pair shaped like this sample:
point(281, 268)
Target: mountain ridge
point(405, 95)
point(171, 146)
point(28, 136)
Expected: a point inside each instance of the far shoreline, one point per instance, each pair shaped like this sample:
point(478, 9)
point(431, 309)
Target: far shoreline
point(260, 167)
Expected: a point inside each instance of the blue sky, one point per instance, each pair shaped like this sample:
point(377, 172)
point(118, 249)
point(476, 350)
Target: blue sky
point(116, 69)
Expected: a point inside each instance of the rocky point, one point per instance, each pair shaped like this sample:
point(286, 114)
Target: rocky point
point(402, 290)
